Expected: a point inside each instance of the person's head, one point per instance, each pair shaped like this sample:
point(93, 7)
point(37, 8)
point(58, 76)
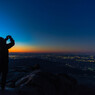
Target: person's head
point(2, 42)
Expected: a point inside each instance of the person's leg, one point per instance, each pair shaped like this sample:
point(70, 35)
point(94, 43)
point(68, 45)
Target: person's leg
point(3, 80)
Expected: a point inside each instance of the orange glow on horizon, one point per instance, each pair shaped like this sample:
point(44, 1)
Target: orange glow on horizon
point(37, 49)
point(22, 49)
point(32, 49)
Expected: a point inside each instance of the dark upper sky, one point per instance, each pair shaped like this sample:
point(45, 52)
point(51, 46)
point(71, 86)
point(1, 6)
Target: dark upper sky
point(62, 25)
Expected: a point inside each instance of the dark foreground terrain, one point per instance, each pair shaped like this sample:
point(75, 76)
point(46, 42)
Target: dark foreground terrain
point(34, 76)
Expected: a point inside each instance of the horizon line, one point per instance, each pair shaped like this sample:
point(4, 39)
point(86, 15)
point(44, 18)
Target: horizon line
point(59, 52)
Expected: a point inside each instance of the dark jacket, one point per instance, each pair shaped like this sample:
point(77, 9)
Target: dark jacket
point(4, 54)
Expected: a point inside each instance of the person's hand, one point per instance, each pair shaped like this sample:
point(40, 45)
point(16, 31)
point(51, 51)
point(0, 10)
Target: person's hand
point(6, 38)
point(9, 37)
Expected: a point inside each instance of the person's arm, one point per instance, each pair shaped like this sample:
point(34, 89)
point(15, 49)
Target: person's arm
point(12, 42)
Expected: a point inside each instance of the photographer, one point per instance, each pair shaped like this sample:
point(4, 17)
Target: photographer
point(4, 58)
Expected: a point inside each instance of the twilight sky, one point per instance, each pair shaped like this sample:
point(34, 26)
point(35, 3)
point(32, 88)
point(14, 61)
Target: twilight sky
point(49, 25)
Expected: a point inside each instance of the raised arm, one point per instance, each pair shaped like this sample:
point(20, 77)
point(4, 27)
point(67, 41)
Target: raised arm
point(12, 42)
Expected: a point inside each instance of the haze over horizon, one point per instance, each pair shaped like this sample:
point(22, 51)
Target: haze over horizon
point(49, 25)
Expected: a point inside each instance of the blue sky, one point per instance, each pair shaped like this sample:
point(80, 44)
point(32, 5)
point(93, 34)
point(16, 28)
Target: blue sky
point(59, 24)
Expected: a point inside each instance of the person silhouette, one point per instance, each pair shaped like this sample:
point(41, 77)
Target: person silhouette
point(4, 58)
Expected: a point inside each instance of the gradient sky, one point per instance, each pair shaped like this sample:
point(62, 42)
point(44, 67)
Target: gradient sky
point(49, 25)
